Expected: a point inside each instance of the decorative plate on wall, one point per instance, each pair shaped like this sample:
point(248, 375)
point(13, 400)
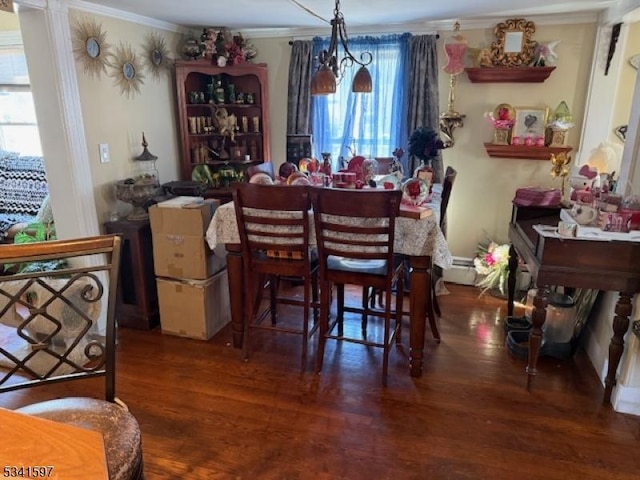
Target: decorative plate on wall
point(90, 47)
point(127, 71)
point(156, 55)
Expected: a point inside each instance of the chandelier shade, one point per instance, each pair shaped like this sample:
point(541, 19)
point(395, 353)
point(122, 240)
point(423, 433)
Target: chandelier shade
point(362, 81)
point(333, 66)
point(323, 82)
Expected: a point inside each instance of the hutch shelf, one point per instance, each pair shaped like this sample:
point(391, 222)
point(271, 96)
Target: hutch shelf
point(523, 152)
point(508, 74)
point(207, 96)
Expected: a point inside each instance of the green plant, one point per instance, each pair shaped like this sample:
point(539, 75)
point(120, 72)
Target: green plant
point(36, 232)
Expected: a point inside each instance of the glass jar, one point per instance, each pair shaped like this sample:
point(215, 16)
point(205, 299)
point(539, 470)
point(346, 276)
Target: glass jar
point(561, 319)
point(560, 322)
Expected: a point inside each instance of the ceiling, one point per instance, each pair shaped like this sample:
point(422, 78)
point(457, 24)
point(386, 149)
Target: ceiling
point(359, 14)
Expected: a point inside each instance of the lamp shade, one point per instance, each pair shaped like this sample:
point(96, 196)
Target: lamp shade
point(361, 81)
point(323, 82)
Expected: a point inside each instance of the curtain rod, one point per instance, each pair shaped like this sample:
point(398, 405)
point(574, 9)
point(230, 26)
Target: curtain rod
point(291, 41)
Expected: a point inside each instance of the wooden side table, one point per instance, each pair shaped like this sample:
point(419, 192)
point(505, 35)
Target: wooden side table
point(137, 305)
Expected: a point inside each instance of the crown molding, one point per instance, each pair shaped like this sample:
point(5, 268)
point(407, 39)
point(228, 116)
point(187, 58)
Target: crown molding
point(96, 9)
point(423, 27)
point(413, 27)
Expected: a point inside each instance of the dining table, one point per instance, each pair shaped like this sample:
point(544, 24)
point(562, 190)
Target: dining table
point(33, 447)
point(420, 239)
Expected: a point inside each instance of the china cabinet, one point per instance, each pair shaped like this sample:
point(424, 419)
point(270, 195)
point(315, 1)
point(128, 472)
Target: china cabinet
point(223, 125)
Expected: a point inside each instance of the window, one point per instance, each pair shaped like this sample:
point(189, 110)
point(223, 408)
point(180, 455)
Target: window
point(369, 124)
point(18, 124)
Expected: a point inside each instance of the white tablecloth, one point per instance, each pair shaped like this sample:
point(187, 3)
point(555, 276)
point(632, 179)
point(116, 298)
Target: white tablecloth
point(415, 237)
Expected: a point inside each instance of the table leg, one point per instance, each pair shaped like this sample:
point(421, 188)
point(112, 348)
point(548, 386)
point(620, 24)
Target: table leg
point(235, 274)
point(538, 317)
point(419, 305)
point(616, 347)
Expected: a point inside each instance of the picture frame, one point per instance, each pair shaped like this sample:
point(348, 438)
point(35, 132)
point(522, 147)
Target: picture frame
point(513, 45)
point(529, 122)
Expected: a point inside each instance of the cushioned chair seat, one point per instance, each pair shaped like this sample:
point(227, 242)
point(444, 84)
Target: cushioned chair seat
point(371, 267)
point(118, 427)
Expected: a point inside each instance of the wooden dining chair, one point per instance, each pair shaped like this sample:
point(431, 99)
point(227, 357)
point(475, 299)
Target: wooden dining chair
point(274, 225)
point(60, 325)
point(355, 231)
point(436, 272)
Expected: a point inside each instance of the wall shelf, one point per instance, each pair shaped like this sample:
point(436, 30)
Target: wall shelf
point(508, 74)
point(523, 152)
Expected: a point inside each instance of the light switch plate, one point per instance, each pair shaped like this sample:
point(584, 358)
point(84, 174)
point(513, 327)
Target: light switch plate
point(105, 157)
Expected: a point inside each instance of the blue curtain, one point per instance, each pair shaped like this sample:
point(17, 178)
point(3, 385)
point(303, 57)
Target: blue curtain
point(371, 124)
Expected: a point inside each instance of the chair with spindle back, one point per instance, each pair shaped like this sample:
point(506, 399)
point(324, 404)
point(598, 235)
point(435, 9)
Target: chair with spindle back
point(274, 226)
point(60, 325)
point(355, 231)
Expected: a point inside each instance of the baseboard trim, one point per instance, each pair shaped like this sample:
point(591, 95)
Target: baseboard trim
point(626, 400)
point(464, 273)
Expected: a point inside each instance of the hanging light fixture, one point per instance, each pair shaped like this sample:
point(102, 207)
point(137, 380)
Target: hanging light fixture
point(332, 69)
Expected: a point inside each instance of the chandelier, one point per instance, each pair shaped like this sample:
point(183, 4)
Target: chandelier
point(332, 69)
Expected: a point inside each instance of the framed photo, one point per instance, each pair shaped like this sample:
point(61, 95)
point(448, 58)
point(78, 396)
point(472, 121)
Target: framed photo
point(529, 122)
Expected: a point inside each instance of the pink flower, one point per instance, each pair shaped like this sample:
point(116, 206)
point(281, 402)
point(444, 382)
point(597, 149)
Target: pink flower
point(489, 260)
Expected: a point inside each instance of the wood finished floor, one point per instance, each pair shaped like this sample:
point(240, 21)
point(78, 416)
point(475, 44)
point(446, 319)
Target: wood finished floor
point(205, 414)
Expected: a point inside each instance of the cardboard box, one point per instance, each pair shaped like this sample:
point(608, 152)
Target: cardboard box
point(178, 231)
point(194, 308)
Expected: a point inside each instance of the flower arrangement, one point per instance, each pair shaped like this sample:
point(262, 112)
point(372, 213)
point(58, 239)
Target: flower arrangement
point(492, 262)
point(224, 48)
point(424, 143)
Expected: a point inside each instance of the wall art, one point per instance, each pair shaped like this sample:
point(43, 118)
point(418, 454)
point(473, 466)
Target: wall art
point(90, 47)
point(127, 70)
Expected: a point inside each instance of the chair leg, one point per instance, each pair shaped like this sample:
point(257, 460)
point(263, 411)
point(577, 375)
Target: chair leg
point(325, 294)
point(399, 306)
point(274, 284)
point(436, 305)
point(314, 296)
point(305, 325)
point(386, 343)
point(365, 304)
point(340, 314)
point(431, 316)
point(248, 315)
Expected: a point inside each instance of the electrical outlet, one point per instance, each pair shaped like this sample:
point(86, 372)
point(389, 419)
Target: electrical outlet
point(104, 153)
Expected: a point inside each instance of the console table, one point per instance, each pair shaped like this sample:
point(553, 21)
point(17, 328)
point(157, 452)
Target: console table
point(572, 262)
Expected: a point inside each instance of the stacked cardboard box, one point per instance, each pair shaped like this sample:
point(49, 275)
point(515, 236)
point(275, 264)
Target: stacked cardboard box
point(193, 290)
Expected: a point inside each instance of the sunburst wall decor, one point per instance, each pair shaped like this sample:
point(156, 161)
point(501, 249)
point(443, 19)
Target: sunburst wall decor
point(126, 70)
point(90, 47)
point(156, 55)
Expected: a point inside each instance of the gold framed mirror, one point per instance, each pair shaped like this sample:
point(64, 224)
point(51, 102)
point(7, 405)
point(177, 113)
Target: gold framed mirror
point(513, 45)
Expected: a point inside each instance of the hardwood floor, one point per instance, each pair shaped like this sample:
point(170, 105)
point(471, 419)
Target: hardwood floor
point(205, 414)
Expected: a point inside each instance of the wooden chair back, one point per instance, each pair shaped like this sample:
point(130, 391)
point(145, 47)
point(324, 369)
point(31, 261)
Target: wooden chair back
point(274, 223)
point(447, 185)
point(359, 227)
